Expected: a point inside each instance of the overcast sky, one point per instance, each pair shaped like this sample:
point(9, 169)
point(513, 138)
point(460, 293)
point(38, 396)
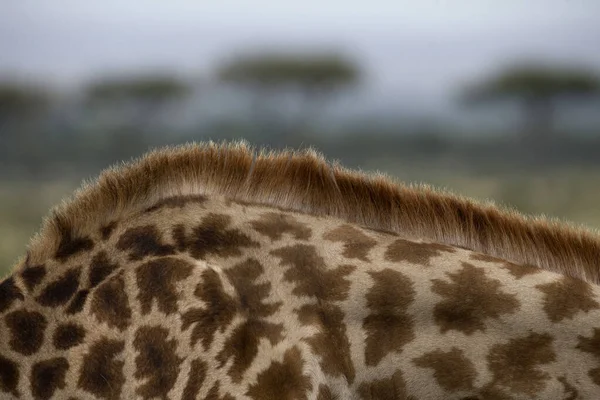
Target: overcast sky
point(413, 46)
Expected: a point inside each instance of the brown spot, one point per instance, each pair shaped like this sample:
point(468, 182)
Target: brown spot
point(251, 294)
point(566, 297)
point(26, 331)
point(48, 376)
point(242, 345)
point(570, 390)
point(311, 275)
point(490, 392)
point(392, 388)
point(100, 268)
point(196, 378)
point(274, 225)
point(9, 376)
point(516, 270)
point(452, 370)
point(213, 393)
point(144, 241)
point(69, 246)
point(156, 279)
point(107, 230)
point(389, 327)
point(157, 364)
point(469, 300)
point(331, 342)
point(283, 380)
point(110, 303)
point(415, 252)
point(78, 302)
point(9, 292)
point(179, 236)
point(519, 271)
point(177, 202)
point(61, 290)
point(592, 345)
point(514, 364)
point(33, 276)
point(356, 243)
point(101, 373)
point(68, 335)
point(220, 310)
point(213, 237)
point(325, 393)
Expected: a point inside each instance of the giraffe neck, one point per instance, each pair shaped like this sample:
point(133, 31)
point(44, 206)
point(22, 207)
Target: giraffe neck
point(304, 182)
point(202, 297)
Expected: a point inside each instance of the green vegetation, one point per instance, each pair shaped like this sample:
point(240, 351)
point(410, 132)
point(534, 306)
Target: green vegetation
point(274, 71)
point(312, 80)
point(539, 89)
point(22, 208)
point(153, 88)
point(21, 101)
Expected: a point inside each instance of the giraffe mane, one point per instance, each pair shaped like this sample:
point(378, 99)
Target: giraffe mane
point(303, 181)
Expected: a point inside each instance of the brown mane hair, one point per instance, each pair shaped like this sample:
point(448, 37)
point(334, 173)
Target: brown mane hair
point(304, 181)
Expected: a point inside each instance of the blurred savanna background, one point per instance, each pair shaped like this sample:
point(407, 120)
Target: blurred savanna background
point(492, 99)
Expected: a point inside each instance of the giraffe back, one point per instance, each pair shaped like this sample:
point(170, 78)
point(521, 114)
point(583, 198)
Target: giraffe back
point(202, 296)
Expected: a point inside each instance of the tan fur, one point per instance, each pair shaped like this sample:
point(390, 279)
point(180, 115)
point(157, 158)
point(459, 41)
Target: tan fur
point(304, 181)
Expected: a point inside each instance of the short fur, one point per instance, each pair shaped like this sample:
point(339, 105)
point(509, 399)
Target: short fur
point(305, 182)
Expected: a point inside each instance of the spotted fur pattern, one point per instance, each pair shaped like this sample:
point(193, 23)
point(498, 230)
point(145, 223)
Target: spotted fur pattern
point(202, 296)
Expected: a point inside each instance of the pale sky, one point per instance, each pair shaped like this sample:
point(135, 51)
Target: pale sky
point(421, 47)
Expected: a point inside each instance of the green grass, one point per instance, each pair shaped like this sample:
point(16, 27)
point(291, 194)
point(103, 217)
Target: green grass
point(571, 194)
point(22, 208)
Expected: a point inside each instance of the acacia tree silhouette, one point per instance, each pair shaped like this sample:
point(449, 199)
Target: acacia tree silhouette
point(539, 89)
point(313, 78)
point(145, 97)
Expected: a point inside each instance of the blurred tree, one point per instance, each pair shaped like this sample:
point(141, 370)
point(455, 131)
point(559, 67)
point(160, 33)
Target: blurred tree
point(539, 89)
point(22, 111)
point(270, 77)
point(142, 98)
point(310, 72)
point(19, 102)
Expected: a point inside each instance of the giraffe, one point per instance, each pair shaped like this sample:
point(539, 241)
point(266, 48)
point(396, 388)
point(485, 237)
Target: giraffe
point(215, 271)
